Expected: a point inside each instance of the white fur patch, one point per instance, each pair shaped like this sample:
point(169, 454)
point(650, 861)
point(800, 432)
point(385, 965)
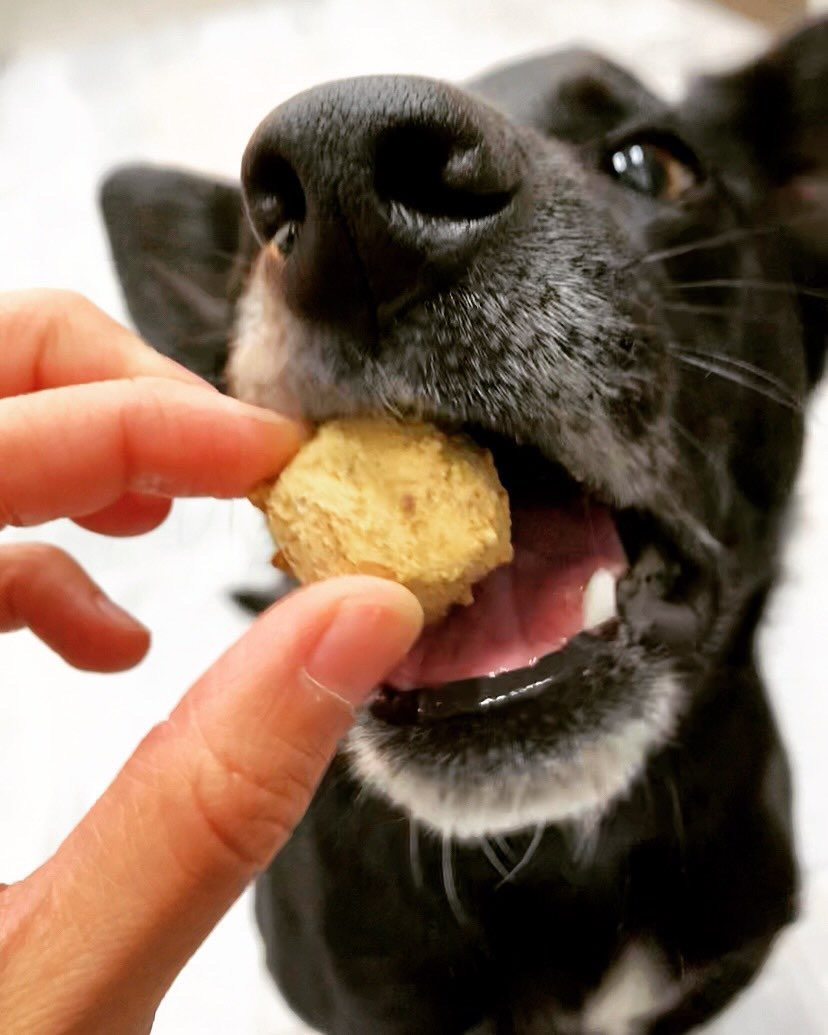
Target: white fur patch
point(637, 987)
point(580, 785)
point(259, 351)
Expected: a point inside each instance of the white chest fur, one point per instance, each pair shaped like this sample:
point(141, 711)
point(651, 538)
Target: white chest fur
point(636, 987)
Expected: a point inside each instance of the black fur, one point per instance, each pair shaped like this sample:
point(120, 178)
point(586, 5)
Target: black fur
point(466, 256)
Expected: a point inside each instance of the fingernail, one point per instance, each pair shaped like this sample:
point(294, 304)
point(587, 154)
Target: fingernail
point(364, 641)
point(117, 615)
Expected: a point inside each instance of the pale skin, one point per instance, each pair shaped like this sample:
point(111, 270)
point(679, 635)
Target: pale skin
point(97, 427)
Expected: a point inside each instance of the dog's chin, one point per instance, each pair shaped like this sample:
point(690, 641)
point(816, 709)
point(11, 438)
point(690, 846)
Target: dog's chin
point(472, 777)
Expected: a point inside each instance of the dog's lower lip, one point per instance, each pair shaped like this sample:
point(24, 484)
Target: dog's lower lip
point(488, 693)
point(646, 618)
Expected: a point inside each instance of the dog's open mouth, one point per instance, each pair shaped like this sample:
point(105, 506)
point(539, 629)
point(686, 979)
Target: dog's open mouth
point(535, 621)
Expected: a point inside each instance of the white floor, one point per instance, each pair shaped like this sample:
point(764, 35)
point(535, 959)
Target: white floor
point(185, 82)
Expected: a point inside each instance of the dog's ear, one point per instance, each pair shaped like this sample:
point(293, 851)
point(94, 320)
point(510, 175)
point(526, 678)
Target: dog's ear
point(179, 243)
point(766, 127)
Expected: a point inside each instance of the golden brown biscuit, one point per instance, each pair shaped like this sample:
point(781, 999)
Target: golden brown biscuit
point(403, 501)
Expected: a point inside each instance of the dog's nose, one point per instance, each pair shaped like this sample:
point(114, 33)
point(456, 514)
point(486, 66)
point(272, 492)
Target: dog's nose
point(378, 191)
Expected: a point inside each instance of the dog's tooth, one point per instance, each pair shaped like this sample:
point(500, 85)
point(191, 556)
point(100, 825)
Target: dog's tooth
point(599, 599)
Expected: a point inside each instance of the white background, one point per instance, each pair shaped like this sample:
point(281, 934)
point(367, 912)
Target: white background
point(86, 86)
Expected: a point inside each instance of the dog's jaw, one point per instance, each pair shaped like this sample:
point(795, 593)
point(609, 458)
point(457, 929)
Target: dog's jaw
point(276, 362)
point(508, 790)
point(579, 782)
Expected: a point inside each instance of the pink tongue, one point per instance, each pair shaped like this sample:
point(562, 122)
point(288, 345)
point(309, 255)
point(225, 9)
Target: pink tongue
point(525, 609)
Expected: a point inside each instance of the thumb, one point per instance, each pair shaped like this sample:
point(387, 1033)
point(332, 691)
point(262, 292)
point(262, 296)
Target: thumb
point(205, 802)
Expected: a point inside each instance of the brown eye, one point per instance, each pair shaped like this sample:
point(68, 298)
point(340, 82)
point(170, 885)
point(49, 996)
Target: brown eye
point(651, 169)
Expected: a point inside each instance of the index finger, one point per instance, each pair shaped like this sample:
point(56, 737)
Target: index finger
point(68, 452)
point(53, 338)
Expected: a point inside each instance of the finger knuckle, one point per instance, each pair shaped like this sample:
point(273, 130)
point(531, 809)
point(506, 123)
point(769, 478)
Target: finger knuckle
point(56, 308)
point(36, 554)
point(20, 560)
point(9, 515)
point(65, 299)
point(252, 814)
point(18, 565)
point(43, 318)
point(45, 303)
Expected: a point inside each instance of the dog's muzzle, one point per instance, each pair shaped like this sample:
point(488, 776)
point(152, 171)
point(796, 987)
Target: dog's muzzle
point(378, 191)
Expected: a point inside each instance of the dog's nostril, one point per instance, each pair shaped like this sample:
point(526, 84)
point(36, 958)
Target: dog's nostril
point(429, 171)
point(275, 199)
point(382, 190)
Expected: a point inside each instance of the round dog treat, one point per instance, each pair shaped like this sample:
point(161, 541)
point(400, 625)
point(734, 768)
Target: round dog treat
point(403, 501)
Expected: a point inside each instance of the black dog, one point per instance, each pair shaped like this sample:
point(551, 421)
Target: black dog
point(625, 301)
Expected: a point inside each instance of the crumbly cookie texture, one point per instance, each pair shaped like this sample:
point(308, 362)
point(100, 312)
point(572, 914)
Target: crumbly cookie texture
point(403, 501)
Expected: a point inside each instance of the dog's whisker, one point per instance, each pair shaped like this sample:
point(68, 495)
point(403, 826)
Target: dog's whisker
point(693, 441)
point(526, 858)
point(414, 853)
point(220, 253)
point(700, 309)
point(727, 374)
point(681, 349)
point(504, 847)
point(647, 328)
point(182, 285)
point(449, 885)
point(213, 337)
point(362, 795)
point(678, 815)
point(786, 287)
point(735, 236)
point(584, 835)
point(723, 311)
point(492, 857)
point(749, 368)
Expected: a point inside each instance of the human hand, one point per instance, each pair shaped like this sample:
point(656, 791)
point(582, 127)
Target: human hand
point(97, 427)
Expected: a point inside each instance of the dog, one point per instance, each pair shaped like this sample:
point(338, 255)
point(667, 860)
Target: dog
point(624, 300)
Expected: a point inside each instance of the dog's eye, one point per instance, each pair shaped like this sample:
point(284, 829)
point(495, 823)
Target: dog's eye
point(650, 168)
